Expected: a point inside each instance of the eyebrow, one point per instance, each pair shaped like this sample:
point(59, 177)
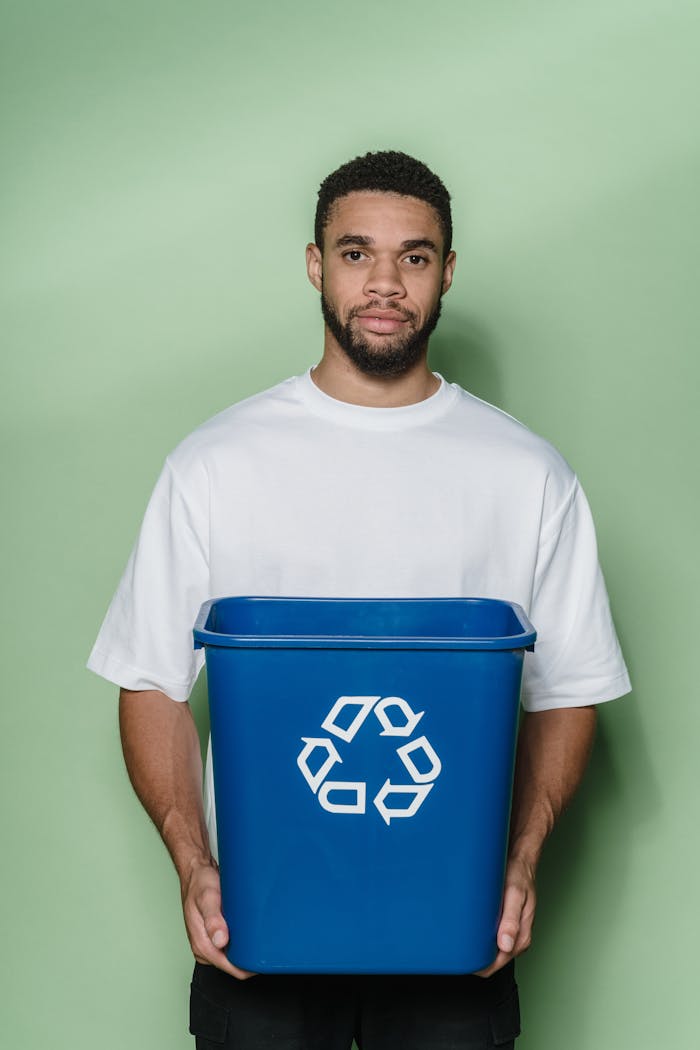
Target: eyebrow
point(354, 238)
point(367, 242)
point(419, 242)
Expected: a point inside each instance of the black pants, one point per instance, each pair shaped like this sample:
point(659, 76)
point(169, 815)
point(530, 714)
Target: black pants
point(328, 1012)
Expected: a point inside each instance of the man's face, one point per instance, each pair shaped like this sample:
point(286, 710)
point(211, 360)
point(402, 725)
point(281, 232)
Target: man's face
point(381, 278)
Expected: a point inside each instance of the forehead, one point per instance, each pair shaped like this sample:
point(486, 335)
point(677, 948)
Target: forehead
point(385, 216)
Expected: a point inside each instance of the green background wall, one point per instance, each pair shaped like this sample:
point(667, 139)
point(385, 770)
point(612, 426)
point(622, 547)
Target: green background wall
point(159, 167)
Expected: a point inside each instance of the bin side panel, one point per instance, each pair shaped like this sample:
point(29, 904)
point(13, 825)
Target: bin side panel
point(317, 877)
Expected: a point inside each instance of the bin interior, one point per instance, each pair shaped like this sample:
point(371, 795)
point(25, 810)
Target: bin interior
point(398, 618)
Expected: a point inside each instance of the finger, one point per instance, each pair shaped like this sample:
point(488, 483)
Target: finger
point(500, 961)
point(203, 947)
point(213, 957)
point(206, 926)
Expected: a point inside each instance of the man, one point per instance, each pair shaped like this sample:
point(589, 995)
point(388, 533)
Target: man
point(368, 476)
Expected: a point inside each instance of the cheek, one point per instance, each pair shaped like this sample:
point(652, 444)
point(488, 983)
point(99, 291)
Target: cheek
point(425, 294)
point(344, 290)
point(332, 280)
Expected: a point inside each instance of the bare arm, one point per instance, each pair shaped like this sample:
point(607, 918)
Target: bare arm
point(161, 750)
point(553, 751)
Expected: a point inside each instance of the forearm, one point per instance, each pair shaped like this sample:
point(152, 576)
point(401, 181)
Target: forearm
point(161, 750)
point(553, 751)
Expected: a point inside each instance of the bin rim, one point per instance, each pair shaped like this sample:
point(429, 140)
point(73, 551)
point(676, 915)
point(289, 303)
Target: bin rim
point(206, 638)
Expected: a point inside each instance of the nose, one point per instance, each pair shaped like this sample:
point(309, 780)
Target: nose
point(384, 280)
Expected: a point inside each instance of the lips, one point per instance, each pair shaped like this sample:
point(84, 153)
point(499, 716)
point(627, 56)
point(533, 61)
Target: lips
point(383, 315)
point(381, 321)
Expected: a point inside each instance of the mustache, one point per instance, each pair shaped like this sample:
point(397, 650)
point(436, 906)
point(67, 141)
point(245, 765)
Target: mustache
point(375, 304)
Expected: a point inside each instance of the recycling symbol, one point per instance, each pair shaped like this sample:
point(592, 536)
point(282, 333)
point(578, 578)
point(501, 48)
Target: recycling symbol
point(395, 718)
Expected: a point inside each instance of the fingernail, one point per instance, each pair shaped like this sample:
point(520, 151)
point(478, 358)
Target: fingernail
point(507, 942)
point(219, 939)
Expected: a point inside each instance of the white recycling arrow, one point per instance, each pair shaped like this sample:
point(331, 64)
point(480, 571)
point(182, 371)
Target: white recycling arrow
point(332, 756)
point(365, 704)
point(358, 806)
point(419, 792)
point(423, 744)
point(389, 728)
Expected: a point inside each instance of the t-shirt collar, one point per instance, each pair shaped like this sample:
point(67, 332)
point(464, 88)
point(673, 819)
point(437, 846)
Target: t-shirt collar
point(365, 417)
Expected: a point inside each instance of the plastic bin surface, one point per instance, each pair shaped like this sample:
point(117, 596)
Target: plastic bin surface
point(363, 756)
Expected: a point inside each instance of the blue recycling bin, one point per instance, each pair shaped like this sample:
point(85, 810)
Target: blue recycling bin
point(363, 755)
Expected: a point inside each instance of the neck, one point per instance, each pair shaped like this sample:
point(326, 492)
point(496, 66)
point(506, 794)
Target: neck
point(337, 376)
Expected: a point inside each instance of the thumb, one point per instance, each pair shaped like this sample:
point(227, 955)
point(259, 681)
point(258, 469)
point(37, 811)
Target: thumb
point(509, 926)
point(219, 938)
point(214, 922)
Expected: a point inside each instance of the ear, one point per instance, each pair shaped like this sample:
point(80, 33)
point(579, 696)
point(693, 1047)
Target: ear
point(314, 266)
point(448, 269)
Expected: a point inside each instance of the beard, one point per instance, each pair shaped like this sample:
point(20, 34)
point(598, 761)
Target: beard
point(395, 354)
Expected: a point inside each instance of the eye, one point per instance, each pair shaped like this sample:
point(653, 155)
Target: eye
point(417, 260)
point(354, 255)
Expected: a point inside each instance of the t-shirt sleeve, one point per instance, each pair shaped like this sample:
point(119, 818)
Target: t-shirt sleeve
point(145, 641)
point(577, 659)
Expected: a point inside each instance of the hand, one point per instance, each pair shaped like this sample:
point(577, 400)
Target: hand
point(517, 915)
point(206, 926)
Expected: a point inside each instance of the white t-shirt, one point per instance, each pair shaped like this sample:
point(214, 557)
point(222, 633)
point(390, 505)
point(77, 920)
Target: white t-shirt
point(292, 493)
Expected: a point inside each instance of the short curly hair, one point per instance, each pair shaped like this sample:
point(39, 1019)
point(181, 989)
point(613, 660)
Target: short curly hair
point(387, 171)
